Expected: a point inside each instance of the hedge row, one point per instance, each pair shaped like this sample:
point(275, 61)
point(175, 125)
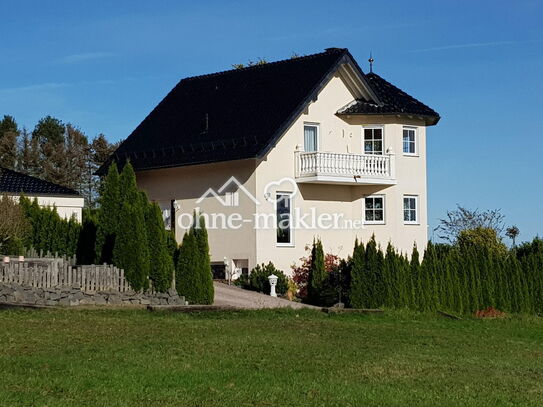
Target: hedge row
point(49, 233)
point(460, 278)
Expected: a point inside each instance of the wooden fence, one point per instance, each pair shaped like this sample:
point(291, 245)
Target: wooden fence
point(59, 273)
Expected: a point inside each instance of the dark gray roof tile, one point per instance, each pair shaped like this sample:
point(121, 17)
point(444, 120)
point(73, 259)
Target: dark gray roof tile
point(14, 182)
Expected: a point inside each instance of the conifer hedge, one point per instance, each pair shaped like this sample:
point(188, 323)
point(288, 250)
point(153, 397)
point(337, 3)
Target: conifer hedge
point(49, 233)
point(460, 278)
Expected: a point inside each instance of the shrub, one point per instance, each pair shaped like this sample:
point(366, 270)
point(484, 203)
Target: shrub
point(300, 274)
point(481, 238)
point(257, 280)
point(13, 226)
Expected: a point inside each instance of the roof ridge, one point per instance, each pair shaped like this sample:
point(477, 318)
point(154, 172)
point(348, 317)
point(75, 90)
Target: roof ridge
point(260, 66)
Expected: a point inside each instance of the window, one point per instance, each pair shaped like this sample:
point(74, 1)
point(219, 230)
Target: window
point(373, 140)
point(409, 141)
point(311, 137)
point(284, 218)
point(374, 210)
point(410, 210)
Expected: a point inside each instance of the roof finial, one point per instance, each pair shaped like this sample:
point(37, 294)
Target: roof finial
point(371, 62)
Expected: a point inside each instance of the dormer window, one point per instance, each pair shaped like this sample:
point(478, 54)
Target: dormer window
point(373, 140)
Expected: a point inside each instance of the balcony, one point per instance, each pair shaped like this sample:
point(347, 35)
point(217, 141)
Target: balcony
point(347, 169)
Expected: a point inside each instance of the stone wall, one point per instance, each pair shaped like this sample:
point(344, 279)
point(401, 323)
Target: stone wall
point(13, 293)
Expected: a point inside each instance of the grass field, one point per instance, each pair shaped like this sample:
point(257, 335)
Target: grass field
point(266, 358)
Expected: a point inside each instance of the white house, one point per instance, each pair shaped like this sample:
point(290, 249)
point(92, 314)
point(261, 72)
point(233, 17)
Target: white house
point(276, 154)
point(67, 201)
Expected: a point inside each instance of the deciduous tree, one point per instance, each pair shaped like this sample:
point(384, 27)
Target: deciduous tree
point(13, 225)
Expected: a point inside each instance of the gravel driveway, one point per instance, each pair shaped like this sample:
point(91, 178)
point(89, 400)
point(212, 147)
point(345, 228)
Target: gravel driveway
point(233, 296)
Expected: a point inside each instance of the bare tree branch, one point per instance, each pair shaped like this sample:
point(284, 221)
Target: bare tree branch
point(463, 219)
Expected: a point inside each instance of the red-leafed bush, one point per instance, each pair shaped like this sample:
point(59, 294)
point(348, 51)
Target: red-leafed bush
point(489, 312)
point(300, 274)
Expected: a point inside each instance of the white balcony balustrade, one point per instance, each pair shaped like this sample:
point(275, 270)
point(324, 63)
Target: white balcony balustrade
point(340, 168)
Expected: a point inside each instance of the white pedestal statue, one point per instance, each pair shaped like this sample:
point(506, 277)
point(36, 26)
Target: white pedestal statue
point(273, 283)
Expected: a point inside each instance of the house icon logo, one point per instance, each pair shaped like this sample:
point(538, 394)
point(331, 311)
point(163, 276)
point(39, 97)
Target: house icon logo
point(228, 193)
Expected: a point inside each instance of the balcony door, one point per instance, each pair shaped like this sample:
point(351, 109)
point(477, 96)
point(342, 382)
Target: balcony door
point(311, 137)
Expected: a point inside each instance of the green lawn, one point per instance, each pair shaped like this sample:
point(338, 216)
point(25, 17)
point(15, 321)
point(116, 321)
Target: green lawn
point(266, 358)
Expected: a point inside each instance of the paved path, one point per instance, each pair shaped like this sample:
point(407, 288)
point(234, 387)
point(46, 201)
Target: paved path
point(233, 296)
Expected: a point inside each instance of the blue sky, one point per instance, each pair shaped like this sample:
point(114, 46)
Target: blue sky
point(103, 65)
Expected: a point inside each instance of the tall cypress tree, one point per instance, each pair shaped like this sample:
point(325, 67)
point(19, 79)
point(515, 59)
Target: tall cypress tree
point(108, 216)
point(455, 266)
point(472, 280)
point(390, 277)
point(186, 277)
point(317, 273)
point(427, 270)
point(358, 284)
point(161, 263)
point(371, 273)
point(130, 251)
point(205, 276)
point(194, 279)
point(173, 247)
point(505, 296)
point(415, 284)
point(86, 252)
point(128, 187)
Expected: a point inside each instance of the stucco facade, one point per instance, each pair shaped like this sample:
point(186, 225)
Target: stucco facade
point(259, 178)
point(67, 206)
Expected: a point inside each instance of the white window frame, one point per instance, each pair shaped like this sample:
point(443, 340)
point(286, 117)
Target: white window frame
point(317, 125)
point(373, 127)
point(416, 221)
point(375, 222)
point(291, 213)
point(416, 141)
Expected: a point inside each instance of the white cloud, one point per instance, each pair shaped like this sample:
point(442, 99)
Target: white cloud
point(471, 45)
point(35, 88)
point(87, 56)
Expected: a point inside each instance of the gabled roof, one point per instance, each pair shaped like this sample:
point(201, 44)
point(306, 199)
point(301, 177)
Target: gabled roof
point(235, 114)
point(13, 182)
point(394, 101)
